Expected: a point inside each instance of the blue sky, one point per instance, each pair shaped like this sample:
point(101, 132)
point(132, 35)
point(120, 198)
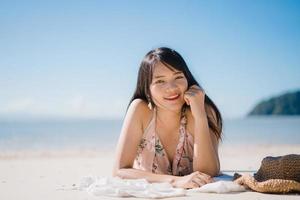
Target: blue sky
point(80, 58)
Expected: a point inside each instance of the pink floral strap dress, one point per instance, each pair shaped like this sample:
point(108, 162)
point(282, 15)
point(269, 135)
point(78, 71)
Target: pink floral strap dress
point(151, 155)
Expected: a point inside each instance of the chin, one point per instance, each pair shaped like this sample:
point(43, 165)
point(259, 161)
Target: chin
point(175, 107)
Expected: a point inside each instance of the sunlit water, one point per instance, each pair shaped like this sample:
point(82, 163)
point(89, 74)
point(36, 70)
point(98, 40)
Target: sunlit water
point(97, 134)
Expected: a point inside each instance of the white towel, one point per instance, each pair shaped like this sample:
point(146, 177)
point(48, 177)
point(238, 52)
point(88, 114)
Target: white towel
point(117, 187)
point(219, 187)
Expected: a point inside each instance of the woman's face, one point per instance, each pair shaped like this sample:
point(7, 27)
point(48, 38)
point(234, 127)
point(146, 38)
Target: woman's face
point(168, 87)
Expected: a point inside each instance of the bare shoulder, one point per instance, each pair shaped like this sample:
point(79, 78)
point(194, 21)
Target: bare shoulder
point(138, 106)
point(140, 110)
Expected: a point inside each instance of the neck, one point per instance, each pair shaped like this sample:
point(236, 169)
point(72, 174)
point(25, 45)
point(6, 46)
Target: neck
point(167, 117)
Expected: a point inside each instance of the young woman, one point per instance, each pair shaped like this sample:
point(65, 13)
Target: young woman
point(172, 129)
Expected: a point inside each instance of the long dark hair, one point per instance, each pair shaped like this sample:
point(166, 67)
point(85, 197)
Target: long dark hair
point(170, 57)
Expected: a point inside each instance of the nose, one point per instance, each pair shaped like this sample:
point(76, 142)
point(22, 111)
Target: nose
point(171, 87)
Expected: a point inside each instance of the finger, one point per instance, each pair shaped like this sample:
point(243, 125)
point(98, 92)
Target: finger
point(186, 100)
point(205, 178)
point(199, 178)
point(192, 89)
point(199, 181)
point(196, 87)
point(195, 173)
point(205, 175)
point(193, 185)
point(196, 91)
point(190, 93)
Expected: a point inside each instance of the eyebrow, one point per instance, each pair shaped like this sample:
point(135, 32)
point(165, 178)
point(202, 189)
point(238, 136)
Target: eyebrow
point(164, 76)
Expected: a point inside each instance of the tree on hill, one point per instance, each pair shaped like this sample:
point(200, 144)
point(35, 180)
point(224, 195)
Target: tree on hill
point(286, 104)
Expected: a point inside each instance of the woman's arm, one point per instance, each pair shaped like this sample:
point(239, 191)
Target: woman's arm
point(193, 180)
point(130, 136)
point(130, 173)
point(206, 158)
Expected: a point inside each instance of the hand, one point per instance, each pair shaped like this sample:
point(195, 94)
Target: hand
point(194, 97)
point(193, 180)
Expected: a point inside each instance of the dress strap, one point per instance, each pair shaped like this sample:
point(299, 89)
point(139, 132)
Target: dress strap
point(151, 125)
point(183, 119)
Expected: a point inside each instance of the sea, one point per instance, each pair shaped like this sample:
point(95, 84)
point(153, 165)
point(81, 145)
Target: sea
point(95, 134)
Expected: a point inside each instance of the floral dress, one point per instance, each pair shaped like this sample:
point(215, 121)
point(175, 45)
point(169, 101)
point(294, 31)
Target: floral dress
point(151, 155)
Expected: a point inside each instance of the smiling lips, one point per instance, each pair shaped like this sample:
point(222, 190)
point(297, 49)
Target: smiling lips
point(173, 97)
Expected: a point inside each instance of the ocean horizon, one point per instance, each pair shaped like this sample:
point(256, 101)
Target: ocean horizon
point(59, 134)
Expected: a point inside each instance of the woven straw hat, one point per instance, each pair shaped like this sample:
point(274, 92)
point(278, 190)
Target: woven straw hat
point(276, 175)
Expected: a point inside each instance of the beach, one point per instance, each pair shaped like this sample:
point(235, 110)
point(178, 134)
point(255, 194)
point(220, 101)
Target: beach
point(56, 174)
point(73, 75)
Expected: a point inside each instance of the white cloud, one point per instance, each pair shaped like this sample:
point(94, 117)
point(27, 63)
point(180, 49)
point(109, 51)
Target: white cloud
point(78, 105)
point(75, 106)
point(19, 105)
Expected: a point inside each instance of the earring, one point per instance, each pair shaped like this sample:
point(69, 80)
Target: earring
point(149, 102)
point(150, 105)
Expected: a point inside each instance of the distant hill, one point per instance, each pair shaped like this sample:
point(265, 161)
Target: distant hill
point(286, 104)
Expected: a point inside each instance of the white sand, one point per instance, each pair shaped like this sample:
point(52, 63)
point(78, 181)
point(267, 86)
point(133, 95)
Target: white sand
point(52, 175)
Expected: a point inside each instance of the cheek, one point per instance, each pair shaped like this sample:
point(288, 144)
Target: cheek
point(155, 91)
point(183, 85)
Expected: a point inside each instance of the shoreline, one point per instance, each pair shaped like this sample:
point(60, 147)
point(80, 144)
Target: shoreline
point(239, 157)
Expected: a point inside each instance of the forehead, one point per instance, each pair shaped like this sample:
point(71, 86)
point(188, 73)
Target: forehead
point(162, 69)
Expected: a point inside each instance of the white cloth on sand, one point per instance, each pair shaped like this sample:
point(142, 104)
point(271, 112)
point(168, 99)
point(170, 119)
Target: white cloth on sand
point(219, 187)
point(116, 187)
point(223, 184)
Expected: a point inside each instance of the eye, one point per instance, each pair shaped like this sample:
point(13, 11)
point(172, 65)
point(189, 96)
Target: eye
point(159, 81)
point(179, 77)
